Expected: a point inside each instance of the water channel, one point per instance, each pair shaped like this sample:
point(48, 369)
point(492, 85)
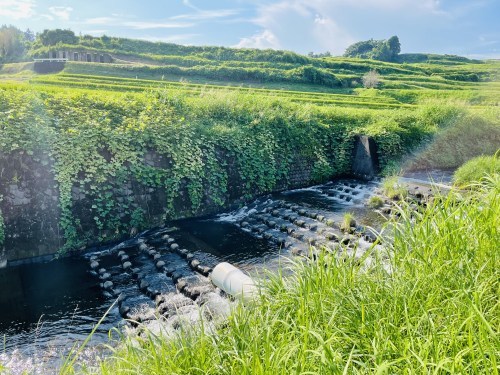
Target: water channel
point(47, 308)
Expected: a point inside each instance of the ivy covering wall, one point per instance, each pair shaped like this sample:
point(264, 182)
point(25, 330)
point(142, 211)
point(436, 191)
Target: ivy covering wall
point(206, 150)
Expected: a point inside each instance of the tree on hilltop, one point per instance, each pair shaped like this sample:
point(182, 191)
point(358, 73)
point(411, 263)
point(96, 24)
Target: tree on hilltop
point(52, 37)
point(383, 50)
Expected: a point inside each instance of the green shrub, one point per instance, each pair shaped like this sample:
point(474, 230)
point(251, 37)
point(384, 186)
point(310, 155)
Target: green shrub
point(476, 169)
point(348, 222)
point(375, 202)
point(393, 189)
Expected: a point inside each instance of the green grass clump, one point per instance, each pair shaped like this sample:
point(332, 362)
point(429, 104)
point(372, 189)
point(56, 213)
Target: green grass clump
point(348, 222)
point(375, 202)
point(428, 305)
point(477, 168)
point(393, 189)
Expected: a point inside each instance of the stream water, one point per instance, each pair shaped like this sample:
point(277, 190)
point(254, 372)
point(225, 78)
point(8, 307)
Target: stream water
point(47, 308)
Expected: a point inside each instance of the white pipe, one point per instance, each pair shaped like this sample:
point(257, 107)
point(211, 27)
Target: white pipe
point(233, 281)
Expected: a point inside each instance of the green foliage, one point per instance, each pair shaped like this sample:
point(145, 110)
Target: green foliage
point(13, 44)
point(383, 50)
point(464, 138)
point(428, 304)
point(193, 148)
point(348, 222)
point(53, 37)
point(375, 202)
point(476, 169)
point(393, 189)
point(203, 139)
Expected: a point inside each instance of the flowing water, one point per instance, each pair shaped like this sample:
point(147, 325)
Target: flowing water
point(47, 308)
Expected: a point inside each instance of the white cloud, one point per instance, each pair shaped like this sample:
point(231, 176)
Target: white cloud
point(207, 14)
point(176, 38)
point(142, 25)
point(47, 17)
point(263, 40)
point(100, 20)
point(321, 25)
point(61, 12)
point(329, 36)
point(17, 9)
point(137, 25)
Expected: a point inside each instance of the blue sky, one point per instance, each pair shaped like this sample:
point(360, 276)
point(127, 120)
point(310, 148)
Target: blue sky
point(463, 27)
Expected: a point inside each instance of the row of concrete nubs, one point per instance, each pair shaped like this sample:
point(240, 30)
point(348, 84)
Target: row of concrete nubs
point(157, 281)
point(153, 276)
point(304, 224)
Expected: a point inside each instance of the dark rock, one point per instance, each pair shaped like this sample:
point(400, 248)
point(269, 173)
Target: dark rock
point(181, 284)
point(296, 251)
point(331, 236)
point(300, 223)
point(124, 310)
point(143, 285)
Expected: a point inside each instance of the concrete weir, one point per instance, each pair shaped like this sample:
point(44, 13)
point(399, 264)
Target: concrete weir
point(158, 282)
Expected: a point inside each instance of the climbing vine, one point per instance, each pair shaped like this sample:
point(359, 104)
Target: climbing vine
point(113, 156)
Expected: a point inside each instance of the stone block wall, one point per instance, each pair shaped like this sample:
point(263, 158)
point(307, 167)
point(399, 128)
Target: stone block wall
point(31, 212)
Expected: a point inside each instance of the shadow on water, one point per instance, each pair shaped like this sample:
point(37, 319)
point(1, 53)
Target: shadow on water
point(49, 307)
point(219, 241)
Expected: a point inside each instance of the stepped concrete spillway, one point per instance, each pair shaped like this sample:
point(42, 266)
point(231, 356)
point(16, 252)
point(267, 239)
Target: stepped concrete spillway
point(161, 283)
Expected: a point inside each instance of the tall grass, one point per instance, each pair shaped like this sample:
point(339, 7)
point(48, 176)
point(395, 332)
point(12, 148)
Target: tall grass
point(429, 305)
point(477, 168)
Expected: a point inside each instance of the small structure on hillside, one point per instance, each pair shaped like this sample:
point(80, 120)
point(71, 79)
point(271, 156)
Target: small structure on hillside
point(83, 56)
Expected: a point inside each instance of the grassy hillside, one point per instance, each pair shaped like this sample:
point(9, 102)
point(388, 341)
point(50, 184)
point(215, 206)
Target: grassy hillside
point(224, 95)
point(252, 65)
